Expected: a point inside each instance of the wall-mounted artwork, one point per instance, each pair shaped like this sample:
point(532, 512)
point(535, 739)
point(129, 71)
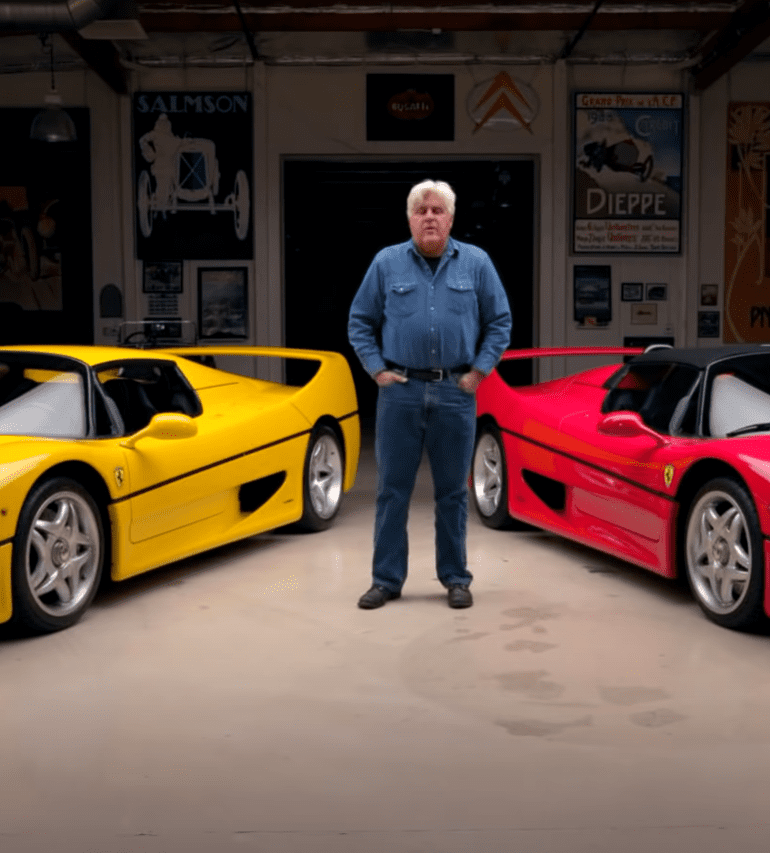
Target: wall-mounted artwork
point(410, 107)
point(747, 226)
point(631, 291)
point(656, 291)
point(222, 302)
point(709, 294)
point(46, 287)
point(627, 161)
point(592, 287)
point(644, 314)
point(162, 277)
point(708, 324)
point(193, 175)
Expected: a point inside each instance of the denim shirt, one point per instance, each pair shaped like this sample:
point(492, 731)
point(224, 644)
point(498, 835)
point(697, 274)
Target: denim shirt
point(405, 314)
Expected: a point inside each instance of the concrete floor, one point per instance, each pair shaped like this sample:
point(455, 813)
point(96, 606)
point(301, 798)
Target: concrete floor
point(241, 701)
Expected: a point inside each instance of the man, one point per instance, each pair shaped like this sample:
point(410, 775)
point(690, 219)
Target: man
point(429, 322)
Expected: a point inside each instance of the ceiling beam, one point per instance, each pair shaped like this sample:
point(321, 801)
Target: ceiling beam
point(745, 31)
point(101, 57)
point(387, 18)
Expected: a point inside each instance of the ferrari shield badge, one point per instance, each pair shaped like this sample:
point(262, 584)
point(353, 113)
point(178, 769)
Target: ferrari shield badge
point(668, 475)
point(119, 476)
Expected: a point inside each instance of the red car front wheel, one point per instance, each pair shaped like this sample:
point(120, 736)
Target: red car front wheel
point(724, 554)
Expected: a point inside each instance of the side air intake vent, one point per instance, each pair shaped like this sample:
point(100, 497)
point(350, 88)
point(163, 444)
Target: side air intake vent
point(255, 494)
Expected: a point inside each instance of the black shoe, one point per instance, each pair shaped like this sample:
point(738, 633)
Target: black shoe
point(459, 595)
point(376, 597)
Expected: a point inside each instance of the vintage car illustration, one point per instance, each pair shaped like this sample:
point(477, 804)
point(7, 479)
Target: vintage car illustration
point(121, 460)
point(623, 156)
point(663, 461)
point(185, 174)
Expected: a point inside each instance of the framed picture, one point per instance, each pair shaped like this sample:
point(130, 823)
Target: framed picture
point(657, 292)
point(162, 277)
point(708, 324)
point(222, 302)
point(410, 107)
point(709, 294)
point(631, 291)
point(644, 314)
point(193, 174)
point(627, 172)
point(592, 292)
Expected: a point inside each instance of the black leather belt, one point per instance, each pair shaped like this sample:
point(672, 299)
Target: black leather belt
point(435, 375)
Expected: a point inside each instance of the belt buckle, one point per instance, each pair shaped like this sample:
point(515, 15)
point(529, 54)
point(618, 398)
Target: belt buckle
point(440, 371)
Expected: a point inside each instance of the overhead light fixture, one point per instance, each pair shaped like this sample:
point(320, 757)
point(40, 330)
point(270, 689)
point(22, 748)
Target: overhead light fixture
point(52, 124)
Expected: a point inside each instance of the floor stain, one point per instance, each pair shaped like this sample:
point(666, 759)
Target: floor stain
point(540, 728)
point(529, 646)
point(656, 718)
point(527, 616)
point(632, 695)
point(531, 683)
point(477, 636)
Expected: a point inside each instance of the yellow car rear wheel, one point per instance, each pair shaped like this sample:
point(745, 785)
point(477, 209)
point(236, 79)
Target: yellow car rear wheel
point(322, 479)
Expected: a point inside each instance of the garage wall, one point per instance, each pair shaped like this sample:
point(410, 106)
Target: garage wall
point(320, 112)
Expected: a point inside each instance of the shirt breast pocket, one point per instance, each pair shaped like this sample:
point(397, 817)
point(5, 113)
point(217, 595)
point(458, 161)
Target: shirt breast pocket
point(402, 299)
point(462, 296)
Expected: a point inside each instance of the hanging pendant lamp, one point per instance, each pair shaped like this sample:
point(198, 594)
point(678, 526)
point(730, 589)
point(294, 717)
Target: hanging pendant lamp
point(52, 124)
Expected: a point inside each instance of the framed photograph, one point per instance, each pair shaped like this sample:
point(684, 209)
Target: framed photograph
point(222, 303)
point(592, 293)
point(631, 291)
point(657, 292)
point(708, 324)
point(709, 294)
point(644, 314)
point(162, 277)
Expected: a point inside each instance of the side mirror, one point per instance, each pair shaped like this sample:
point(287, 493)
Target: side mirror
point(166, 425)
point(627, 425)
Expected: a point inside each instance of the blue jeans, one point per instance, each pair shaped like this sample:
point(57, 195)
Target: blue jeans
point(441, 418)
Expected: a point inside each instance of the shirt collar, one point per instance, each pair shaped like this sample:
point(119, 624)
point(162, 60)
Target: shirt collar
point(450, 250)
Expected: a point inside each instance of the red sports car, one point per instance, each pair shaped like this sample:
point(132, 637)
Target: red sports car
point(663, 460)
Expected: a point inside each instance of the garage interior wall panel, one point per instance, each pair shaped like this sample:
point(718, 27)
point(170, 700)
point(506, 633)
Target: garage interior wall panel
point(320, 112)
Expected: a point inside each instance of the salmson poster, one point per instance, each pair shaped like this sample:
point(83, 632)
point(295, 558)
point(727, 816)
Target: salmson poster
point(627, 173)
point(193, 173)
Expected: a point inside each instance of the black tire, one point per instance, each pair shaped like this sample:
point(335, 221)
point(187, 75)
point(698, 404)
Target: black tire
point(489, 479)
point(724, 555)
point(322, 479)
point(59, 553)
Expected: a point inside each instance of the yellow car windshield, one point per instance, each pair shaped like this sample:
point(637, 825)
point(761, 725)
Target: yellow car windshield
point(41, 401)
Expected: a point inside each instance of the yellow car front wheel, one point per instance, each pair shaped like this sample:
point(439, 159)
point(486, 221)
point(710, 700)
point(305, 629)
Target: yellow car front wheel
point(58, 556)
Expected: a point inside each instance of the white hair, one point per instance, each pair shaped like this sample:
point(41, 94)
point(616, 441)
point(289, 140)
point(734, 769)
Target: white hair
point(419, 191)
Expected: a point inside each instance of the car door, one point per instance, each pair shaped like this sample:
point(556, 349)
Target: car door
point(166, 492)
point(617, 485)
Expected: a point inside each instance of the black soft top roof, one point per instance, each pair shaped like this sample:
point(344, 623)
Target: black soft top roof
point(701, 357)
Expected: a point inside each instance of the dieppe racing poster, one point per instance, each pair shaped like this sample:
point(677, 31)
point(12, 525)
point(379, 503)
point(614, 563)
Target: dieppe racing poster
point(628, 173)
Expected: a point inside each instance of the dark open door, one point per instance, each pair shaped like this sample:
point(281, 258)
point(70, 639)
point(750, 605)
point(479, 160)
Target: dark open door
point(337, 215)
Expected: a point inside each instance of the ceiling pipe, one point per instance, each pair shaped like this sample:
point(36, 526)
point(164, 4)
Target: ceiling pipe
point(53, 17)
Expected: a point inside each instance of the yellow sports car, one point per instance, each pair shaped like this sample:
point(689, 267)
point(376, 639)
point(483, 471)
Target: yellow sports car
point(123, 460)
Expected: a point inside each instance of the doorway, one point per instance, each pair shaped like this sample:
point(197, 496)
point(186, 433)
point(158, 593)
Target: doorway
point(339, 214)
